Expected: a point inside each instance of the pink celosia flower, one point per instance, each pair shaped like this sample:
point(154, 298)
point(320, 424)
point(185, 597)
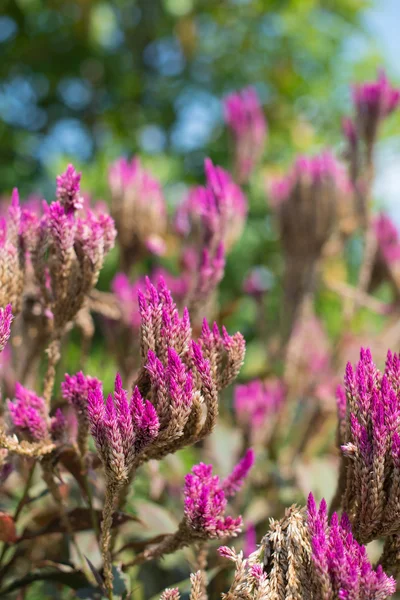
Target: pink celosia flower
point(68, 190)
point(314, 172)
point(76, 388)
point(244, 117)
point(374, 101)
point(28, 415)
point(206, 499)
point(369, 435)
point(341, 563)
point(6, 318)
point(217, 212)
point(127, 292)
point(121, 429)
point(388, 238)
point(250, 539)
point(257, 401)
point(138, 208)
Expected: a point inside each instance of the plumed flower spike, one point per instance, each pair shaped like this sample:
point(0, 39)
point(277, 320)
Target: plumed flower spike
point(182, 376)
point(28, 415)
point(341, 564)
point(244, 116)
point(138, 208)
point(6, 318)
point(68, 190)
point(373, 102)
point(75, 389)
point(369, 428)
point(68, 252)
point(121, 429)
point(206, 499)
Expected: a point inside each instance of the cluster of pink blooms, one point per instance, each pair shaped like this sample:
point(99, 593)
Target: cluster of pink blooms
point(311, 171)
point(28, 413)
point(388, 239)
point(342, 564)
point(256, 402)
point(206, 498)
point(121, 428)
point(245, 118)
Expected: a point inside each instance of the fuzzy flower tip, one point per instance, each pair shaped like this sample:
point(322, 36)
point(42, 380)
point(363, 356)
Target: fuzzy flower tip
point(373, 102)
point(245, 118)
point(309, 172)
point(68, 190)
point(75, 389)
point(216, 212)
point(257, 401)
point(127, 293)
point(6, 318)
point(340, 562)
point(388, 238)
point(121, 428)
point(28, 415)
point(138, 207)
point(206, 499)
point(369, 427)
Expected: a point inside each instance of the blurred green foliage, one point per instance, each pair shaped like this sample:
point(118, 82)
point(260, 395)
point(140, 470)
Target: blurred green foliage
point(92, 78)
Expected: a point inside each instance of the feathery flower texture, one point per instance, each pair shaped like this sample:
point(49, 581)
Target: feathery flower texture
point(304, 557)
point(369, 434)
point(121, 428)
point(183, 376)
point(341, 564)
point(206, 498)
point(67, 249)
point(28, 415)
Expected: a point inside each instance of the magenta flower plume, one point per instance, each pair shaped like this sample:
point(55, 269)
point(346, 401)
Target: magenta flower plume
point(310, 173)
point(244, 117)
point(388, 239)
point(67, 251)
point(75, 389)
point(138, 208)
point(257, 402)
point(6, 318)
point(127, 293)
point(234, 482)
point(369, 426)
point(341, 563)
point(215, 213)
point(250, 540)
point(121, 429)
point(373, 102)
point(68, 190)
point(182, 376)
point(28, 415)
point(206, 499)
